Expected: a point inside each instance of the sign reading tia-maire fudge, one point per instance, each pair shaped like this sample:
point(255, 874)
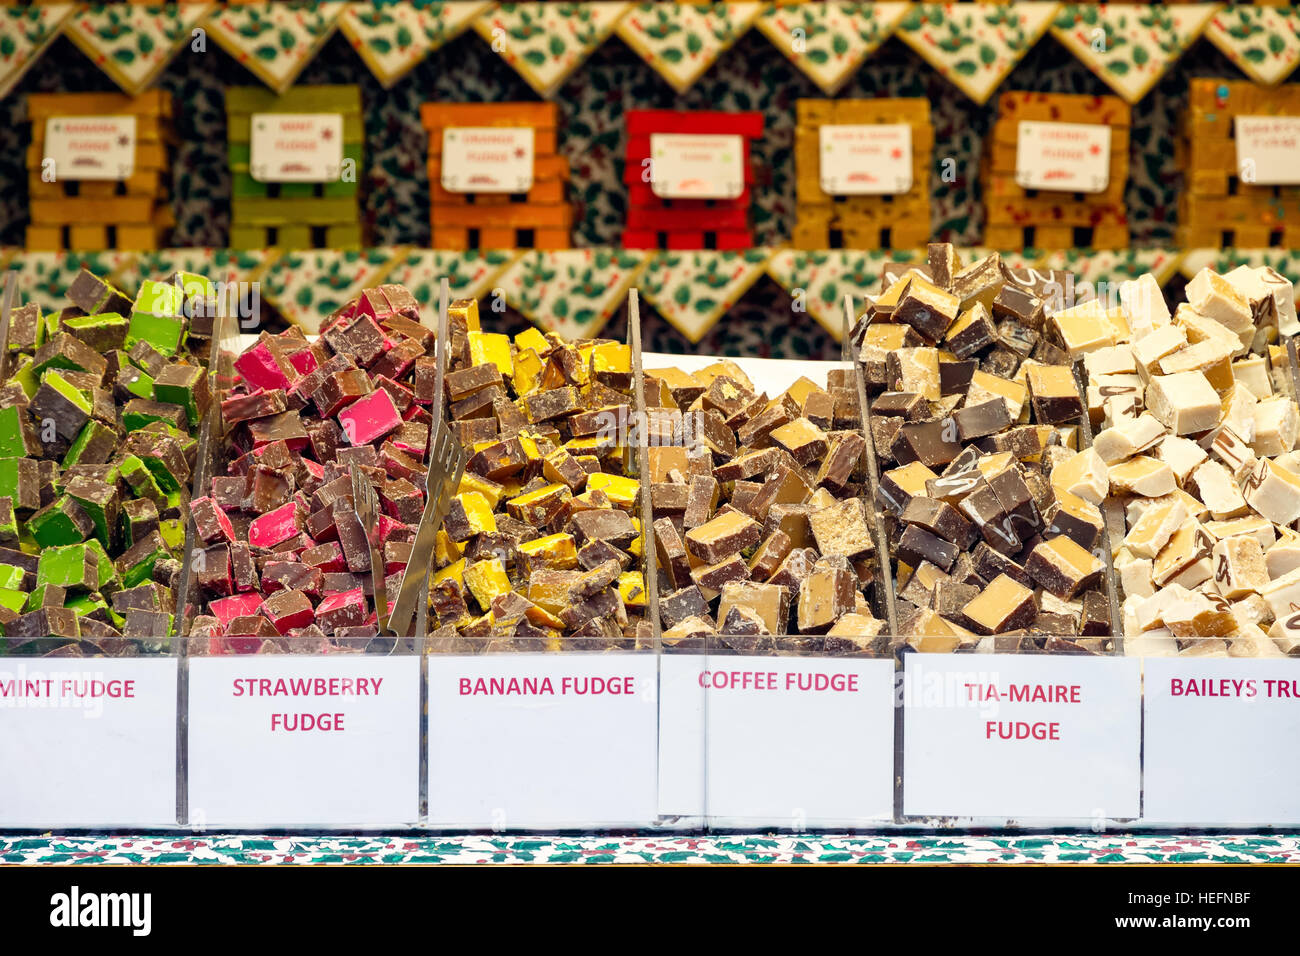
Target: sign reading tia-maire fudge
point(296, 147)
point(777, 741)
point(304, 740)
point(1267, 148)
point(1063, 157)
point(542, 740)
point(87, 743)
point(697, 165)
point(1053, 739)
point(865, 160)
point(89, 147)
point(1222, 741)
point(487, 159)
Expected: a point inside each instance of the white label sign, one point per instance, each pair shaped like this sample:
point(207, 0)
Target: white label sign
point(487, 159)
point(90, 147)
point(296, 147)
point(781, 741)
point(88, 743)
point(1021, 737)
point(542, 740)
point(1066, 157)
point(1222, 742)
point(691, 166)
point(303, 740)
point(1267, 147)
point(867, 160)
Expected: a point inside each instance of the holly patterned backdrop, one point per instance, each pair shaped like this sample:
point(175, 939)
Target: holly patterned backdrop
point(750, 75)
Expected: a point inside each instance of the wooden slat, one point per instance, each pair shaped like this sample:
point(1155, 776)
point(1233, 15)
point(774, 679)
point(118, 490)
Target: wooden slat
point(323, 98)
point(144, 182)
point(641, 123)
point(275, 212)
point(436, 115)
point(519, 215)
point(543, 191)
point(41, 106)
point(122, 209)
point(1064, 108)
point(1047, 211)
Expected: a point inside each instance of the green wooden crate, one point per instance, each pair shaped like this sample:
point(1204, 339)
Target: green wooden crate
point(295, 207)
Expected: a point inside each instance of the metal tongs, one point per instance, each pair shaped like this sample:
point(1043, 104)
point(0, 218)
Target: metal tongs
point(446, 465)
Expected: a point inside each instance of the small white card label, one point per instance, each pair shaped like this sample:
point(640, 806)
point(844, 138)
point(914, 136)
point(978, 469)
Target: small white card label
point(90, 147)
point(697, 166)
point(1267, 147)
point(1021, 737)
point(1222, 742)
point(1064, 157)
point(542, 740)
point(304, 740)
point(487, 159)
point(777, 741)
point(866, 160)
point(88, 743)
point(296, 147)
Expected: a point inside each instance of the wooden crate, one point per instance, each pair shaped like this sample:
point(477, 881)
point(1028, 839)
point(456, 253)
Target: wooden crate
point(861, 222)
point(86, 215)
point(1216, 207)
point(537, 219)
point(294, 215)
point(1018, 218)
point(657, 223)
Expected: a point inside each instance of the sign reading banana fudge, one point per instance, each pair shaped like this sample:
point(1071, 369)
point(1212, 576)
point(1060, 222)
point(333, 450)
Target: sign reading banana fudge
point(1021, 737)
point(571, 739)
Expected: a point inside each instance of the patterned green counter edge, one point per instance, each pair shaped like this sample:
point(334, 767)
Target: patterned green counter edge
point(404, 849)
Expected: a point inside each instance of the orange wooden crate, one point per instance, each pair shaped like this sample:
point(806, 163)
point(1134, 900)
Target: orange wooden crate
point(898, 221)
point(134, 213)
point(543, 219)
point(1016, 217)
point(1216, 206)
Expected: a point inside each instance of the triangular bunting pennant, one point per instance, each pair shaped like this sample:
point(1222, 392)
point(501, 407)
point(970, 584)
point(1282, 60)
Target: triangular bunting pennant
point(829, 41)
point(1012, 259)
point(1130, 46)
point(134, 43)
point(1114, 267)
point(219, 265)
point(1264, 42)
point(471, 275)
point(692, 290)
point(546, 42)
point(572, 292)
point(818, 281)
point(1225, 260)
point(393, 37)
point(275, 41)
point(681, 41)
point(25, 32)
point(307, 286)
point(974, 45)
point(44, 277)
